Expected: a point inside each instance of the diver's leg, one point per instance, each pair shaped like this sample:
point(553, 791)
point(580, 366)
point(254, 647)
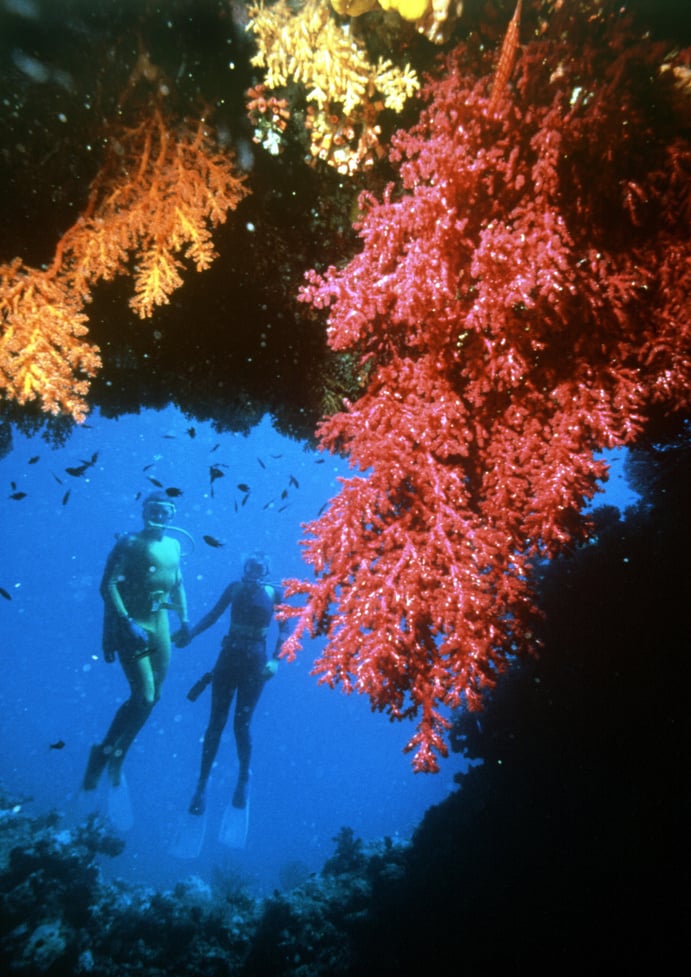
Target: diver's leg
point(100, 754)
point(135, 713)
point(249, 691)
point(160, 657)
point(146, 676)
point(95, 767)
point(222, 691)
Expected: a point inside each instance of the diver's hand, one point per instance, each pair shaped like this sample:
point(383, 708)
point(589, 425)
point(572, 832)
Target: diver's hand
point(182, 636)
point(109, 656)
point(270, 669)
point(137, 633)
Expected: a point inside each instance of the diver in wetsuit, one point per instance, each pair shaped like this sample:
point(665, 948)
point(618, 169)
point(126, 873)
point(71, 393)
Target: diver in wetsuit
point(141, 583)
point(242, 667)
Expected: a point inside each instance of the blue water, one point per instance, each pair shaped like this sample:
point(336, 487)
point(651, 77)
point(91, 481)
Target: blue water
point(321, 759)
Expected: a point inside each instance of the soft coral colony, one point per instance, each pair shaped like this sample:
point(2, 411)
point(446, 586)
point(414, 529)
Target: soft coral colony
point(345, 93)
point(162, 188)
point(519, 303)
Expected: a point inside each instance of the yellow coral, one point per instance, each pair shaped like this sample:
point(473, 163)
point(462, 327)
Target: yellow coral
point(353, 8)
point(313, 49)
point(408, 9)
point(433, 18)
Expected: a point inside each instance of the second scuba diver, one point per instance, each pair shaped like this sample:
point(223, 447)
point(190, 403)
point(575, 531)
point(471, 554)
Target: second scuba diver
point(242, 668)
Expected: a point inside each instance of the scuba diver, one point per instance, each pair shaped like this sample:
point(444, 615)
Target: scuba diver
point(141, 583)
point(242, 667)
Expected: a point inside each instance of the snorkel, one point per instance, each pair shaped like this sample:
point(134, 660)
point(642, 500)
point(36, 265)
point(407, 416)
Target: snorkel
point(183, 532)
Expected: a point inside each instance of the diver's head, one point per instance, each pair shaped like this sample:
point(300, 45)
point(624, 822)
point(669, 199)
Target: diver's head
point(158, 510)
point(256, 566)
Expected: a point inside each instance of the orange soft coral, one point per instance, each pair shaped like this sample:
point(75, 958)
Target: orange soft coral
point(153, 204)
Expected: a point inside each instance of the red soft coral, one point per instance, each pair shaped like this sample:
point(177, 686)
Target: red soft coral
point(520, 302)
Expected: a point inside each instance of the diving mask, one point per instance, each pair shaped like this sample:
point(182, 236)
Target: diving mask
point(158, 513)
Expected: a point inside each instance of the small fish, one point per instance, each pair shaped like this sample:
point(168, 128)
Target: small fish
point(261, 462)
point(320, 461)
point(168, 437)
point(192, 431)
point(214, 473)
point(243, 487)
point(267, 505)
point(58, 745)
point(293, 481)
point(66, 497)
point(147, 467)
point(3, 593)
point(18, 496)
point(215, 448)
point(58, 480)
point(212, 541)
point(322, 508)
point(282, 508)
point(245, 498)
point(173, 492)
point(76, 471)
point(155, 481)
point(33, 460)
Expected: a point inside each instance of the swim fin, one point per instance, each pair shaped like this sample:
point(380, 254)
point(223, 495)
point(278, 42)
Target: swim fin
point(189, 836)
point(234, 826)
point(120, 805)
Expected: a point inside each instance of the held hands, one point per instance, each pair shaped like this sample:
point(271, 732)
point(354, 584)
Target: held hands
point(182, 636)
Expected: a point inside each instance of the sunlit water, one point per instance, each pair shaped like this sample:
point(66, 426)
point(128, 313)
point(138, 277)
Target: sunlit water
point(321, 759)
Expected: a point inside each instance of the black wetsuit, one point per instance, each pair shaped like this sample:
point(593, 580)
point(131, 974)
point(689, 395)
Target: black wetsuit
point(240, 669)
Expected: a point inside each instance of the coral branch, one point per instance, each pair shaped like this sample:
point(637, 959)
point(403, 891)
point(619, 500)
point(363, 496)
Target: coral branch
point(42, 354)
point(515, 316)
point(154, 203)
point(344, 91)
point(507, 60)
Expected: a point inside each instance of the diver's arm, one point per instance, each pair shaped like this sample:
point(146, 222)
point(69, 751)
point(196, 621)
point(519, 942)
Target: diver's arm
point(215, 612)
point(116, 600)
point(114, 571)
point(178, 597)
point(283, 625)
